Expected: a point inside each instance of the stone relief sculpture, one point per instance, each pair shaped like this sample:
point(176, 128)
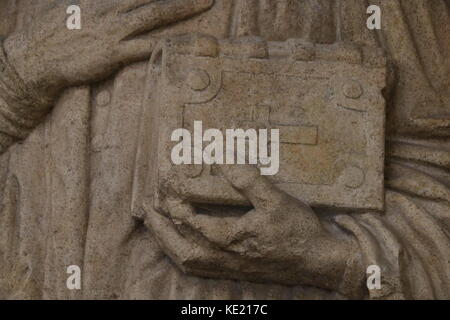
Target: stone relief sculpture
point(364, 175)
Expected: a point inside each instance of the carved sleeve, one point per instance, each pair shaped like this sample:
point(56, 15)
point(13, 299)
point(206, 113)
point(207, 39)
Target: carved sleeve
point(21, 107)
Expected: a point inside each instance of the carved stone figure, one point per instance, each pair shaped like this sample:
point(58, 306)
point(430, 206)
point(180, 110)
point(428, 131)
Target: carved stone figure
point(364, 177)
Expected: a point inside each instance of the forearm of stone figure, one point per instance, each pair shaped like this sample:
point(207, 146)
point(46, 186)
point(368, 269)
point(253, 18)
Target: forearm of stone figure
point(21, 107)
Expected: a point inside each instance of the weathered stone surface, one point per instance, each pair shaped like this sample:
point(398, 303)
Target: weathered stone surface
point(86, 177)
point(330, 114)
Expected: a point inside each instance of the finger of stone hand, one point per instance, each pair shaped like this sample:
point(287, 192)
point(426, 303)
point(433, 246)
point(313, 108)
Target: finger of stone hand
point(134, 50)
point(160, 13)
point(179, 210)
point(173, 244)
point(188, 256)
point(218, 230)
point(129, 5)
point(248, 180)
point(99, 8)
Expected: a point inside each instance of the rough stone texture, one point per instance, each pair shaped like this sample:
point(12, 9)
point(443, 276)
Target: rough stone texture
point(82, 185)
point(331, 142)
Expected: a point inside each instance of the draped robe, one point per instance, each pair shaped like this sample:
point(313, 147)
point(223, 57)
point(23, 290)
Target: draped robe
point(67, 189)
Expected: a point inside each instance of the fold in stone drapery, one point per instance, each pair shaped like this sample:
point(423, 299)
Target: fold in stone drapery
point(245, 19)
point(318, 21)
point(123, 260)
point(44, 203)
point(416, 37)
point(67, 187)
point(351, 23)
point(312, 20)
point(410, 242)
point(8, 12)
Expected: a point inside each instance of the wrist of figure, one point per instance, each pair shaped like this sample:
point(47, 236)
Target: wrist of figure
point(22, 105)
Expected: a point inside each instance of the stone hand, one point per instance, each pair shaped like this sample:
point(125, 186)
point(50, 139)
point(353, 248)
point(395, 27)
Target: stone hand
point(281, 240)
point(49, 56)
